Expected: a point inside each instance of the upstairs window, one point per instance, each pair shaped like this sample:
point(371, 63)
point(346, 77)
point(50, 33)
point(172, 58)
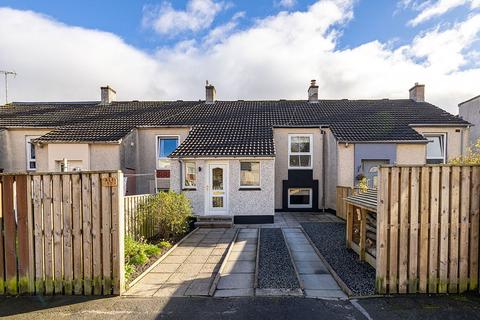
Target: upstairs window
point(31, 153)
point(249, 174)
point(165, 146)
point(436, 148)
point(190, 181)
point(300, 151)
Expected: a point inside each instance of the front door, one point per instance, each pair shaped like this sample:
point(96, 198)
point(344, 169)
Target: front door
point(217, 189)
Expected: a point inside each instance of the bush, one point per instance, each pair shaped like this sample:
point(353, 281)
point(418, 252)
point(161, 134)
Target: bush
point(172, 212)
point(472, 156)
point(138, 254)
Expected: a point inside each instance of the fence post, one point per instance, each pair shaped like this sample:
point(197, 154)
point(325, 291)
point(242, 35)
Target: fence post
point(382, 241)
point(118, 232)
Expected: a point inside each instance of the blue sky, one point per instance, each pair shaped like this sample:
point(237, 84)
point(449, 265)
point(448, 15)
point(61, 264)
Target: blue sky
point(249, 49)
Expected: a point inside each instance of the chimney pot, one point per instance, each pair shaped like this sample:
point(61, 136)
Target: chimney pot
point(107, 95)
point(210, 93)
point(313, 92)
point(417, 92)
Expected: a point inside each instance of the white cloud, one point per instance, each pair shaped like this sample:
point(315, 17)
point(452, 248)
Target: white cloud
point(198, 15)
point(286, 3)
point(274, 58)
point(431, 9)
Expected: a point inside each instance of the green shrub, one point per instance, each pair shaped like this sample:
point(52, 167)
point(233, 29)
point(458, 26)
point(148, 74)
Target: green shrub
point(171, 211)
point(138, 254)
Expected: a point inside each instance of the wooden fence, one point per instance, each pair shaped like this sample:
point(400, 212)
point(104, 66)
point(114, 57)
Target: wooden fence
point(138, 223)
point(61, 233)
point(428, 229)
point(341, 205)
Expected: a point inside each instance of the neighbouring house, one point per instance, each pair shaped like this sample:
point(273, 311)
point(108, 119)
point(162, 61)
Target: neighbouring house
point(245, 159)
point(470, 111)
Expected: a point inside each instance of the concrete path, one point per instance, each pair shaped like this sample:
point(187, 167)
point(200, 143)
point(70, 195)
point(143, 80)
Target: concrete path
point(189, 270)
point(238, 274)
point(317, 281)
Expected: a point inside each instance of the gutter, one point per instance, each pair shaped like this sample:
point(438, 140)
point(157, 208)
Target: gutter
point(383, 141)
point(440, 124)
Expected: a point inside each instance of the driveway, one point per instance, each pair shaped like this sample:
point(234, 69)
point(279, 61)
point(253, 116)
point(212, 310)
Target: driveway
point(242, 262)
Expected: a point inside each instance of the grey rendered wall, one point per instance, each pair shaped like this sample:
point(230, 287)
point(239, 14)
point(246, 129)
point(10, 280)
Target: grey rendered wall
point(470, 111)
point(196, 196)
point(374, 151)
point(331, 170)
point(3, 150)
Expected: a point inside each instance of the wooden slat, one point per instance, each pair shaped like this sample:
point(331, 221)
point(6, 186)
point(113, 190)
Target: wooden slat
point(24, 248)
point(87, 233)
point(57, 233)
point(96, 234)
point(77, 233)
point(48, 233)
point(106, 237)
point(464, 227)
point(414, 227)
point(9, 235)
point(474, 228)
point(363, 233)
point(444, 232)
point(424, 229)
point(454, 225)
point(118, 217)
point(38, 234)
point(393, 255)
point(404, 230)
point(67, 235)
point(382, 224)
point(433, 239)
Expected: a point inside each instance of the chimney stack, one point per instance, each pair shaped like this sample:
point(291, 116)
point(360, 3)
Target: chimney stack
point(417, 92)
point(108, 95)
point(210, 93)
point(313, 92)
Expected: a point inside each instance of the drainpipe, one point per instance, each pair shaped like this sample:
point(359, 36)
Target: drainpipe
point(181, 173)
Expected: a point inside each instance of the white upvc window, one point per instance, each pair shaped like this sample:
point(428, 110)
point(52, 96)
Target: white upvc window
point(436, 148)
point(31, 153)
point(300, 198)
point(249, 174)
point(300, 151)
point(190, 179)
point(164, 147)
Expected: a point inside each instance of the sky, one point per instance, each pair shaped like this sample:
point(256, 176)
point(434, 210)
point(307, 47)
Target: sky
point(263, 49)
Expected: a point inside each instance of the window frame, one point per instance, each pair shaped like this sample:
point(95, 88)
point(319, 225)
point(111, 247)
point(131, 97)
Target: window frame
point(434, 135)
point(28, 155)
point(301, 206)
point(259, 174)
point(185, 187)
point(157, 148)
point(290, 153)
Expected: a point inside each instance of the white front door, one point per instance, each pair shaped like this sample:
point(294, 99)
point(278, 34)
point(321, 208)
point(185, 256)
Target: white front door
point(217, 199)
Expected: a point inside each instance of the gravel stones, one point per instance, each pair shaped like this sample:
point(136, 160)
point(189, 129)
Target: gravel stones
point(329, 238)
point(275, 269)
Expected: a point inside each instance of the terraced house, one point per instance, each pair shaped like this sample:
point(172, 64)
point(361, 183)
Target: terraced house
point(243, 159)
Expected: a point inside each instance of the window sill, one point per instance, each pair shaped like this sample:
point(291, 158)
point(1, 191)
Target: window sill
point(189, 189)
point(300, 168)
point(249, 189)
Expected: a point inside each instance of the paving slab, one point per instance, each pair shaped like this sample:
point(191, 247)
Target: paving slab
point(236, 281)
point(319, 281)
point(171, 290)
point(305, 256)
point(239, 266)
point(273, 292)
point(166, 267)
point(311, 267)
point(225, 293)
point(243, 256)
point(337, 294)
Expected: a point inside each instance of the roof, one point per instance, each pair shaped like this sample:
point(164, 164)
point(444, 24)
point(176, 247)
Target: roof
point(367, 200)
point(229, 128)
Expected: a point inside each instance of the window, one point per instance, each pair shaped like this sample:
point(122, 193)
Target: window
point(299, 198)
point(436, 148)
point(249, 174)
point(190, 181)
point(300, 151)
point(165, 146)
point(31, 153)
